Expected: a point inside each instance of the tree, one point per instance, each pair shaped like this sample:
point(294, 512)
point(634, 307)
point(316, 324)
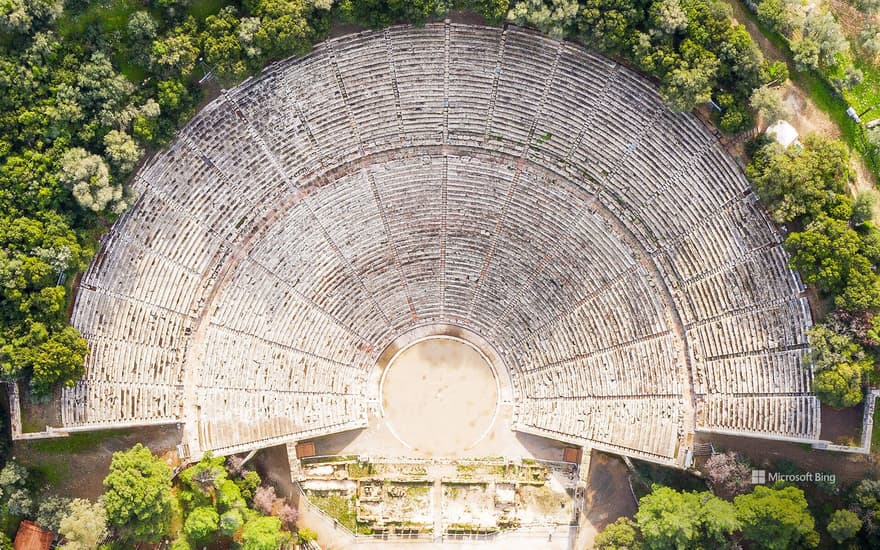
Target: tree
point(51, 510)
point(84, 526)
point(776, 519)
point(287, 514)
point(668, 16)
point(20, 15)
point(50, 357)
point(671, 519)
point(381, 13)
point(137, 494)
point(728, 474)
point(869, 40)
point(863, 207)
point(838, 260)
point(176, 53)
point(15, 497)
point(493, 10)
point(248, 484)
point(223, 45)
point(141, 27)
point(122, 150)
point(201, 523)
point(620, 535)
point(610, 25)
point(262, 533)
point(768, 103)
point(830, 348)
point(823, 30)
point(89, 178)
point(264, 499)
point(840, 387)
point(844, 525)
point(230, 522)
point(805, 52)
point(690, 82)
point(795, 183)
point(554, 17)
point(284, 26)
point(866, 504)
point(203, 480)
point(229, 495)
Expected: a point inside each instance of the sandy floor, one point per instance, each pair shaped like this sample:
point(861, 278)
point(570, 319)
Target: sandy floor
point(608, 497)
point(439, 396)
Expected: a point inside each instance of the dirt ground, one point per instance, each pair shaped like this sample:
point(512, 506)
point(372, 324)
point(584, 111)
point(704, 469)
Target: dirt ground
point(439, 396)
point(274, 467)
point(764, 453)
point(76, 465)
point(608, 497)
point(842, 426)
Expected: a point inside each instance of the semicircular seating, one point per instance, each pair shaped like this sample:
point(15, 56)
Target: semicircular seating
point(535, 193)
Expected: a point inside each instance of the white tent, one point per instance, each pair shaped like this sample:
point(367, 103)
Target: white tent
point(783, 132)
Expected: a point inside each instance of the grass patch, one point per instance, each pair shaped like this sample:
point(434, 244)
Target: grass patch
point(107, 16)
point(867, 93)
point(358, 471)
point(201, 9)
point(75, 443)
point(418, 491)
point(51, 474)
point(339, 508)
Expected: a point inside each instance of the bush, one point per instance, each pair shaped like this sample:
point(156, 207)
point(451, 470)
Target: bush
point(844, 525)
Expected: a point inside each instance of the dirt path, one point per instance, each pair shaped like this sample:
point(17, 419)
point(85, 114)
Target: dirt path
point(607, 497)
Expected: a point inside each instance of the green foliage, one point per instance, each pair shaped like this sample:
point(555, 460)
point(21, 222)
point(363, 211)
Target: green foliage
point(493, 10)
point(15, 494)
point(201, 523)
point(248, 484)
point(84, 526)
point(844, 525)
point(203, 480)
point(554, 17)
point(840, 387)
point(382, 13)
point(337, 507)
point(802, 183)
point(230, 522)
point(263, 533)
point(776, 519)
point(137, 495)
point(306, 535)
point(51, 510)
point(840, 364)
point(671, 519)
point(50, 357)
point(865, 499)
point(34, 254)
point(768, 103)
point(620, 535)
